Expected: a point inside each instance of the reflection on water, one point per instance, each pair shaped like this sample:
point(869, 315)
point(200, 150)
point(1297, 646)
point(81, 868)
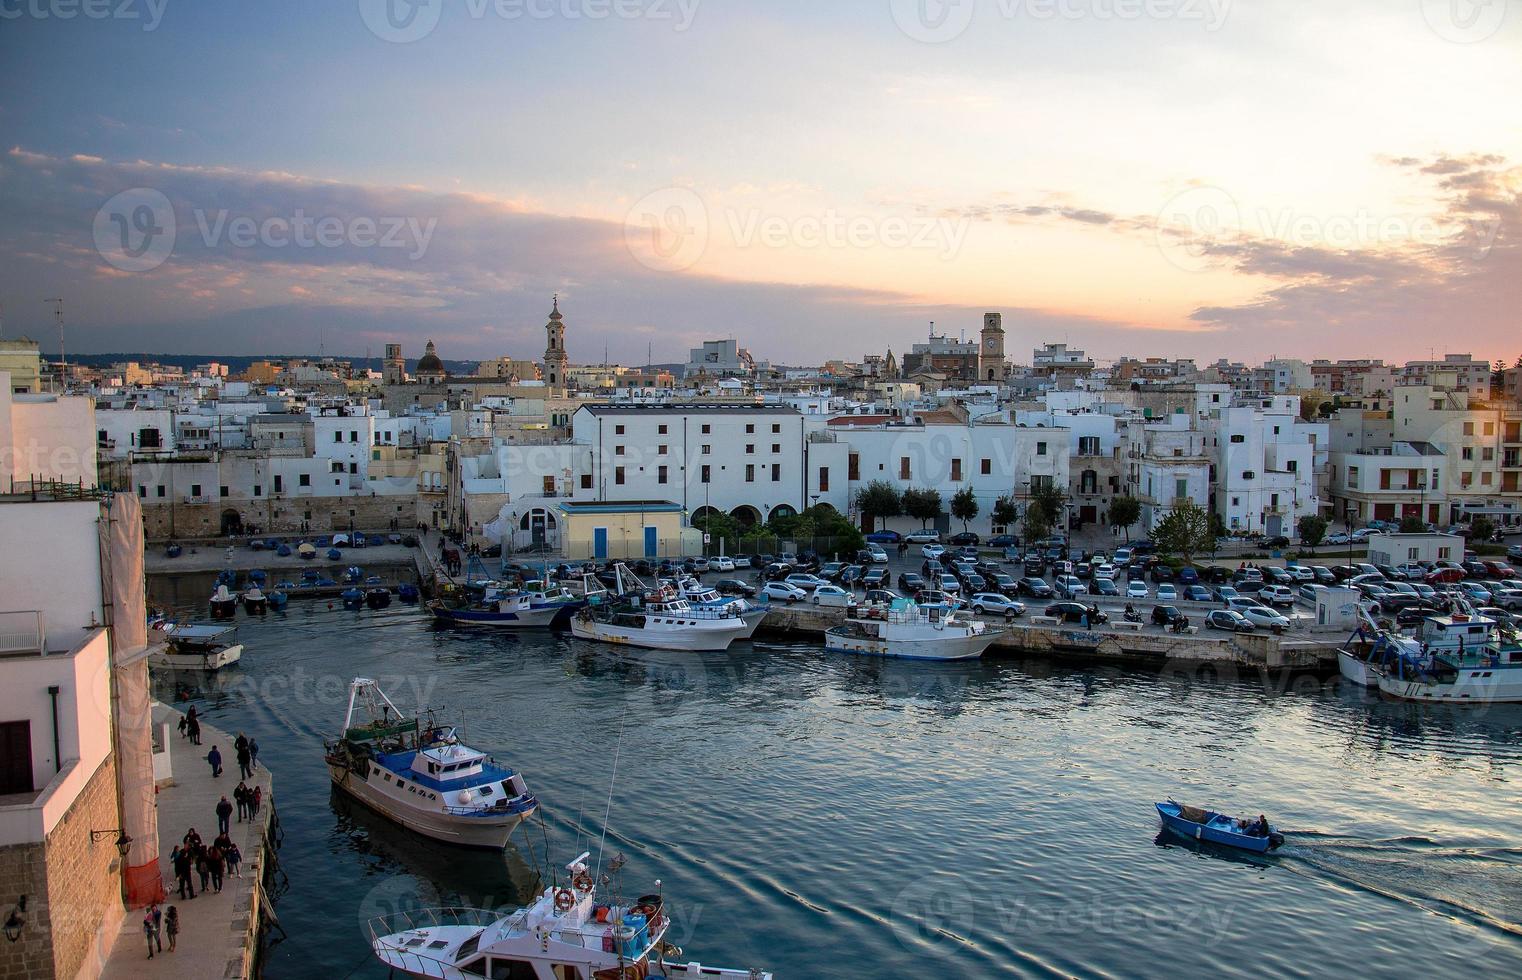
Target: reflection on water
point(821, 815)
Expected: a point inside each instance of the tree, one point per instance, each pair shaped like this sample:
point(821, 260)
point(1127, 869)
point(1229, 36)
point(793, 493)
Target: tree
point(1043, 513)
point(718, 526)
point(964, 506)
point(1125, 512)
point(1312, 528)
point(923, 504)
point(1481, 528)
point(1005, 512)
point(1411, 524)
point(880, 500)
point(1185, 532)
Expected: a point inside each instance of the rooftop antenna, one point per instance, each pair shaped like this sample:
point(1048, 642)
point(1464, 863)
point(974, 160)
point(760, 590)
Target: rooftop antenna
point(57, 302)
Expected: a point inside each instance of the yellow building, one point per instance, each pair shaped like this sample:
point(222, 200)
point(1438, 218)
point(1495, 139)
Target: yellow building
point(21, 359)
point(625, 529)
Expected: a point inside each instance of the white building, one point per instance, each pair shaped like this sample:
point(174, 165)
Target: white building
point(1265, 465)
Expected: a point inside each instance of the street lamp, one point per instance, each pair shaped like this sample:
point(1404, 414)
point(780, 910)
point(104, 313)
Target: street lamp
point(123, 841)
point(16, 920)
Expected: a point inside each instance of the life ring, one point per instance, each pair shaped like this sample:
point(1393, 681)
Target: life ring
point(582, 882)
point(564, 899)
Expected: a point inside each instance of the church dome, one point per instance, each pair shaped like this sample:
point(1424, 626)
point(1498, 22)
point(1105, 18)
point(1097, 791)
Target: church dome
point(429, 363)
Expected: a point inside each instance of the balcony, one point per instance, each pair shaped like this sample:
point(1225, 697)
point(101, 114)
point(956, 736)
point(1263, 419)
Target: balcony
point(23, 632)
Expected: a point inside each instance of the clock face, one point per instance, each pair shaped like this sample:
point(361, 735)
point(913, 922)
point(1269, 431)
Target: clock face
point(991, 343)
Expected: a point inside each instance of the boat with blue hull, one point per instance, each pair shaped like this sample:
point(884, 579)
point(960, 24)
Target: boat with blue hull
point(1193, 823)
point(532, 608)
point(419, 774)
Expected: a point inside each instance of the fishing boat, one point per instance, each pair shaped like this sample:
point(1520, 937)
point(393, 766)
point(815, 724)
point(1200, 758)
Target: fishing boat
point(657, 619)
point(1193, 823)
point(190, 647)
point(707, 597)
point(571, 930)
point(378, 598)
point(912, 631)
point(1460, 657)
point(334, 554)
point(255, 602)
point(224, 602)
point(419, 774)
point(535, 606)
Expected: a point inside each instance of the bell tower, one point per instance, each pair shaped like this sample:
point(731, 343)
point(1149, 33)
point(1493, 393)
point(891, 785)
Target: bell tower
point(991, 348)
point(555, 362)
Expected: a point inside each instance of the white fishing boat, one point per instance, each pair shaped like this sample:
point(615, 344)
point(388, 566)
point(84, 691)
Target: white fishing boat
point(707, 597)
point(419, 774)
point(909, 630)
point(224, 602)
point(658, 618)
point(255, 602)
point(535, 606)
point(188, 647)
point(1461, 657)
point(570, 931)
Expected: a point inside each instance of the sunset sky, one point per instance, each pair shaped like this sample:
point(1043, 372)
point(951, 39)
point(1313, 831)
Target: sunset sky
point(1201, 178)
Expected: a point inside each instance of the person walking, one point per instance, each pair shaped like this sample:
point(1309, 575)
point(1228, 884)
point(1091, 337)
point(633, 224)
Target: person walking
point(172, 925)
point(193, 726)
point(203, 868)
point(214, 864)
point(224, 814)
point(240, 797)
point(234, 860)
point(184, 724)
point(253, 754)
point(182, 865)
point(148, 930)
point(215, 758)
point(245, 769)
point(158, 925)
point(254, 802)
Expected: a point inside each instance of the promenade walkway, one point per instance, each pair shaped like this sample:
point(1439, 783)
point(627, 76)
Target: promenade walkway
point(214, 926)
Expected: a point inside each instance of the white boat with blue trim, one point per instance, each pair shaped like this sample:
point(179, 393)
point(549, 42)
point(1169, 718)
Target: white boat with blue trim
point(570, 932)
point(1462, 657)
point(906, 629)
point(422, 776)
point(535, 606)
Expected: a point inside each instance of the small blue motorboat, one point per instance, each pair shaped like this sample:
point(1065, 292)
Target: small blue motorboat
point(257, 576)
point(256, 545)
point(284, 551)
point(310, 577)
point(278, 599)
point(373, 580)
point(272, 543)
point(353, 598)
point(173, 550)
point(407, 592)
point(324, 541)
point(353, 573)
point(1193, 823)
point(335, 555)
point(359, 540)
point(325, 583)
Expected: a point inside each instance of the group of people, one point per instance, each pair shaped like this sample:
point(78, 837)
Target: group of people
point(248, 756)
point(156, 923)
point(208, 862)
point(190, 726)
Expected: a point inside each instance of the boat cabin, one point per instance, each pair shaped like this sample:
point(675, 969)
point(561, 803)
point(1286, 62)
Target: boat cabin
point(444, 763)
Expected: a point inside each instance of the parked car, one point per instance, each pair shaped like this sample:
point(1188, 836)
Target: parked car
point(964, 538)
point(1301, 573)
point(1276, 595)
point(1498, 569)
point(1004, 584)
point(948, 583)
point(1036, 588)
point(996, 604)
point(1277, 575)
point(805, 581)
point(875, 578)
point(833, 595)
point(1188, 575)
point(783, 592)
point(777, 571)
point(973, 582)
point(1003, 541)
point(935, 597)
point(849, 576)
point(911, 582)
point(932, 550)
point(1230, 620)
point(1136, 589)
point(1197, 593)
point(733, 586)
point(1167, 592)
point(1344, 572)
point(1168, 616)
point(1034, 564)
point(877, 554)
point(1077, 612)
point(923, 536)
point(830, 571)
point(1104, 586)
point(1068, 586)
point(885, 537)
point(1266, 618)
point(1307, 593)
point(1162, 573)
point(1339, 537)
point(1514, 553)
point(1224, 593)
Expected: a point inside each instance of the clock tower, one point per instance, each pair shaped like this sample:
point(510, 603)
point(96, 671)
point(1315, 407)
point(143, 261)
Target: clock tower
point(555, 361)
point(991, 348)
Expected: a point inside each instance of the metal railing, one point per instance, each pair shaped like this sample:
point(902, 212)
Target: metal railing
point(23, 631)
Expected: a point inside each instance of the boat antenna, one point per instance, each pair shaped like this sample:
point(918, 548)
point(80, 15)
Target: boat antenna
point(608, 810)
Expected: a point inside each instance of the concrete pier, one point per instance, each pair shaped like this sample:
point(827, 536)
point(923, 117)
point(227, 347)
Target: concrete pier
point(219, 931)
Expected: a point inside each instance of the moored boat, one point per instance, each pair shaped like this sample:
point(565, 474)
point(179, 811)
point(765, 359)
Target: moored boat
point(1194, 823)
point(569, 931)
point(224, 603)
point(419, 774)
point(378, 598)
point(707, 597)
point(1460, 657)
point(909, 630)
point(536, 606)
point(353, 597)
point(255, 602)
point(278, 599)
point(407, 592)
point(190, 647)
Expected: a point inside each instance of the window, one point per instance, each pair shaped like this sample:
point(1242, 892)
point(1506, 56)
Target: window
point(750, 427)
point(1040, 449)
point(660, 450)
point(1238, 437)
point(223, 491)
point(1352, 476)
point(618, 430)
point(1490, 428)
point(707, 449)
point(547, 487)
point(279, 483)
point(1180, 488)
point(338, 437)
point(853, 467)
point(1487, 454)
point(660, 474)
point(1467, 452)
point(903, 468)
point(1468, 428)
point(750, 472)
point(750, 449)
point(1273, 500)
point(618, 475)
point(660, 430)
point(353, 467)
point(706, 473)
point(777, 473)
point(195, 489)
point(776, 448)
point(1088, 446)
point(304, 480)
point(824, 479)
point(618, 450)
point(956, 470)
point(707, 428)
point(776, 427)
point(586, 481)
point(353, 435)
point(1293, 466)
point(258, 490)
point(986, 467)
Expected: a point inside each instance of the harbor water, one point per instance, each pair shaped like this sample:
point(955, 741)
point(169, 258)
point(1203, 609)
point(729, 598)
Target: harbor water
point(828, 816)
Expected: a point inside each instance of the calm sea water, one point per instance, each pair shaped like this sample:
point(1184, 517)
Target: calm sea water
point(821, 816)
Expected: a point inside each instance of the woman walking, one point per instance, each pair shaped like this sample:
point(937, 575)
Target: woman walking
point(172, 925)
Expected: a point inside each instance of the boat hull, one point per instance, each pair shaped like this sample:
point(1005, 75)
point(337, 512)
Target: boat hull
point(1479, 685)
point(484, 832)
point(966, 647)
point(525, 619)
point(1191, 830)
point(208, 662)
point(712, 635)
point(1355, 670)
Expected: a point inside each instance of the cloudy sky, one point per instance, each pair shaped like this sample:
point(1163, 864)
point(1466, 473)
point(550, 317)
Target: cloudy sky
point(1205, 178)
